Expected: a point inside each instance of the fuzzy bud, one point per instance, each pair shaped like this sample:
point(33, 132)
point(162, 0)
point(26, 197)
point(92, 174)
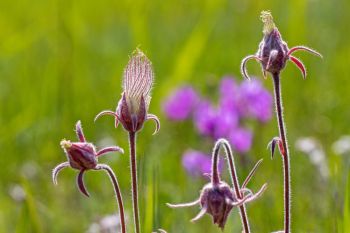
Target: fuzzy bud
point(80, 155)
point(273, 51)
point(217, 199)
point(137, 84)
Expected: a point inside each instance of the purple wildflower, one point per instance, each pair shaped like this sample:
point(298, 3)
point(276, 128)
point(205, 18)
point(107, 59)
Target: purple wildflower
point(225, 121)
point(196, 163)
point(241, 139)
point(229, 94)
point(204, 118)
point(255, 100)
point(181, 103)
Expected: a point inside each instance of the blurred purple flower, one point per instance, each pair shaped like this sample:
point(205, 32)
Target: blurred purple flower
point(181, 103)
point(205, 118)
point(225, 121)
point(255, 100)
point(241, 139)
point(196, 163)
point(236, 103)
point(213, 122)
point(229, 94)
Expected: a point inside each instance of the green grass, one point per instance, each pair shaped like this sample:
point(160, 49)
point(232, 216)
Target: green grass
point(62, 60)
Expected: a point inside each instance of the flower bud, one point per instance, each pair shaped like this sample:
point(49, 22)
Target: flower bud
point(137, 84)
point(217, 199)
point(273, 51)
point(80, 155)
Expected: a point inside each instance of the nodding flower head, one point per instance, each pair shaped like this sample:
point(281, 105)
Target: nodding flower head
point(218, 201)
point(132, 109)
point(82, 156)
point(273, 52)
point(217, 198)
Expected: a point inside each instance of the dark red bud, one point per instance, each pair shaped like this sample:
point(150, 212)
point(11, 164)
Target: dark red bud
point(132, 121)
point(217, 200)
point(80, 155)
point(273, 52)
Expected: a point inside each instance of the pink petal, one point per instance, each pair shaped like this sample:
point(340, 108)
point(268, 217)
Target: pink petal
point(244, 64)
point(57, 169)
point(105, 112)
point(299, 64)
point(110, 149)
point(80, 182)
point(258, 194)
point(79, 132)
point(189, 204)
point(156, 120)
point(200, 214)
point(296, 48)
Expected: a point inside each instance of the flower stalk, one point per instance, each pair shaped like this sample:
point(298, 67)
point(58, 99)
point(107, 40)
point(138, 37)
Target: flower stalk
point(117, 191)
point(284, 151)
point(273, 55)
point(132, 113)
point(234, 179)
point(134, 185)
point(83, 156)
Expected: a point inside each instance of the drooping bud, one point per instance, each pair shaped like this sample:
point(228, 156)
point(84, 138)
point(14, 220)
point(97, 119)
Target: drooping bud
point(217, 200)
point(137, 84)
point(80, 155)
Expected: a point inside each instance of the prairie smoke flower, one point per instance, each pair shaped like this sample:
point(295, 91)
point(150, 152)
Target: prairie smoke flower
point(217, 198)
point(181, 103)
point(132, 109)
point(273, 52)
point(82, 156)
point(132, 112)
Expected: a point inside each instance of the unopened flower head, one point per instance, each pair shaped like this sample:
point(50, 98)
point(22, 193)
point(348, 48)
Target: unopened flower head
point(138, 81)
point(132, 109)
point(137, 85)
point(217, 200)
point(82, 156)
point(272, 49)
point(273, 52)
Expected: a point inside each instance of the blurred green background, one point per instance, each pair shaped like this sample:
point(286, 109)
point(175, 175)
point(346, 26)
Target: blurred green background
point(63, 60)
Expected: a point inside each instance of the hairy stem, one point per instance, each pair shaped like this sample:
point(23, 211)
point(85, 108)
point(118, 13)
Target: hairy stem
point(118, 194)
point(133, 171)
point(285, 155)
point(216, 178)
